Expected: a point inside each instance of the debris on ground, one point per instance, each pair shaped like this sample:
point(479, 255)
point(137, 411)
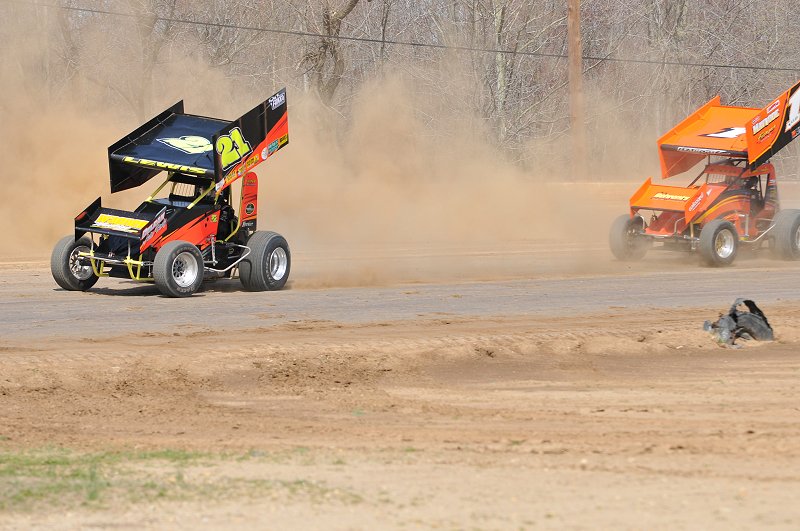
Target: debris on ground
point(739, 323)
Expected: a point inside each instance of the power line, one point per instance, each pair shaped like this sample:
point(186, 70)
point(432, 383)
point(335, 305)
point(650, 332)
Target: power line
point(412, 44)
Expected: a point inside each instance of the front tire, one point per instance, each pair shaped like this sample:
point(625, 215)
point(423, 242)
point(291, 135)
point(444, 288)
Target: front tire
point(268, 265)
point(626, 240)
point(69, 270)
point(178, 269)
point(719, 243)
point(786, 238)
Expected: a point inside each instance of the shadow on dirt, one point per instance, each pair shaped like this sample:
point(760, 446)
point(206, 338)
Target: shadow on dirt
point(137, 289)
point(130, 289)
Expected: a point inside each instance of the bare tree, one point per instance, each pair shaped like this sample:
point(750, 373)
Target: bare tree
point(498, 61)
point(326, 64)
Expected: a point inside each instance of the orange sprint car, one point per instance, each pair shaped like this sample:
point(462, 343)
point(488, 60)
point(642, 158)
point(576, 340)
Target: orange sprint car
point(732, 202)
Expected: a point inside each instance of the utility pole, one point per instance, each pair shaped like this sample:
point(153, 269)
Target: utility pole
point(576, 113)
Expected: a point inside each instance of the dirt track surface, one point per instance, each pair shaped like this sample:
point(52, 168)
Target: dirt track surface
point(560, 400)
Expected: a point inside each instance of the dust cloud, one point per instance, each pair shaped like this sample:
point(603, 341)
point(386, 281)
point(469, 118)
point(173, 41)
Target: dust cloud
point(391, 197)
point(380, 195)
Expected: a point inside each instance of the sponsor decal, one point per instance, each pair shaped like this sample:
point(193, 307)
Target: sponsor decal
point(213, 218)
point(252, 161)
point(226, 181)
point(249, 209)
point(702, 151)
point(696, 203)
point(155, 227)
point(165, 165)
point(194, 145)
point(277, 100)
point(765, 134)
point(249, 224)
point(671, 197)
point(771, 117)
point(274, 146)
point(774, 105)
point(119, 223)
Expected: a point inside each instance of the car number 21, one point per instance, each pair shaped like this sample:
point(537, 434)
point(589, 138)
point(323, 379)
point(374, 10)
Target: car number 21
point(232, 148)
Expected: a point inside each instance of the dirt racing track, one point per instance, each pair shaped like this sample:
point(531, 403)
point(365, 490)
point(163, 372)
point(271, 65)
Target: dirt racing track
point(559, 399)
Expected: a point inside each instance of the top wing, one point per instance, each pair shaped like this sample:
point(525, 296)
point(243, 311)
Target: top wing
point(198, 145)
point(171, 141)
point(754, 135)
point(713, 129)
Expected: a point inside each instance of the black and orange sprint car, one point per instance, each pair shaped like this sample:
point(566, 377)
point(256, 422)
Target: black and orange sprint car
point(188, 229)
point(733, 202)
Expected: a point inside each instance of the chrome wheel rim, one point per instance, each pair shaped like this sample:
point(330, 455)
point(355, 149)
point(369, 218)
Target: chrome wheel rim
point(278, 263)
point(724, 243)
point(184, 269)
point(79, 266)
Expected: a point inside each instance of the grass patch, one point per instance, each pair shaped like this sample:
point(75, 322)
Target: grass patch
point(59, 477)
point(54, 479)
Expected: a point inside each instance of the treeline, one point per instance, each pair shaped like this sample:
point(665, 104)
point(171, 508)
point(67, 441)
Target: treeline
point(501, 63)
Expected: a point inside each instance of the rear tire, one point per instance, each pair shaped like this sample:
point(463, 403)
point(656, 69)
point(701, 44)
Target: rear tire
point(69, 270)
point(625, 239)
point(268, 265)
point(719, 243)
point(178, 269)
point(786, 234)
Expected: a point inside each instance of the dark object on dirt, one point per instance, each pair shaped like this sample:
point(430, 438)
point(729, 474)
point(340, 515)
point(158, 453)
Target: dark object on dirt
point(738, 323)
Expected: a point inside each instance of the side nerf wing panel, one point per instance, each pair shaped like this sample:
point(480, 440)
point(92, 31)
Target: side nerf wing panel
point(253, 138)
point(774, 127)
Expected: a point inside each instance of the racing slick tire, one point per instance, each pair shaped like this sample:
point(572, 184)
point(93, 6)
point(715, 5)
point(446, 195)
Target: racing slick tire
point(268, 265)
point(719, 243)
point(786, 234)
point(625, 238)
point(178, 269)
point(70, 271)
